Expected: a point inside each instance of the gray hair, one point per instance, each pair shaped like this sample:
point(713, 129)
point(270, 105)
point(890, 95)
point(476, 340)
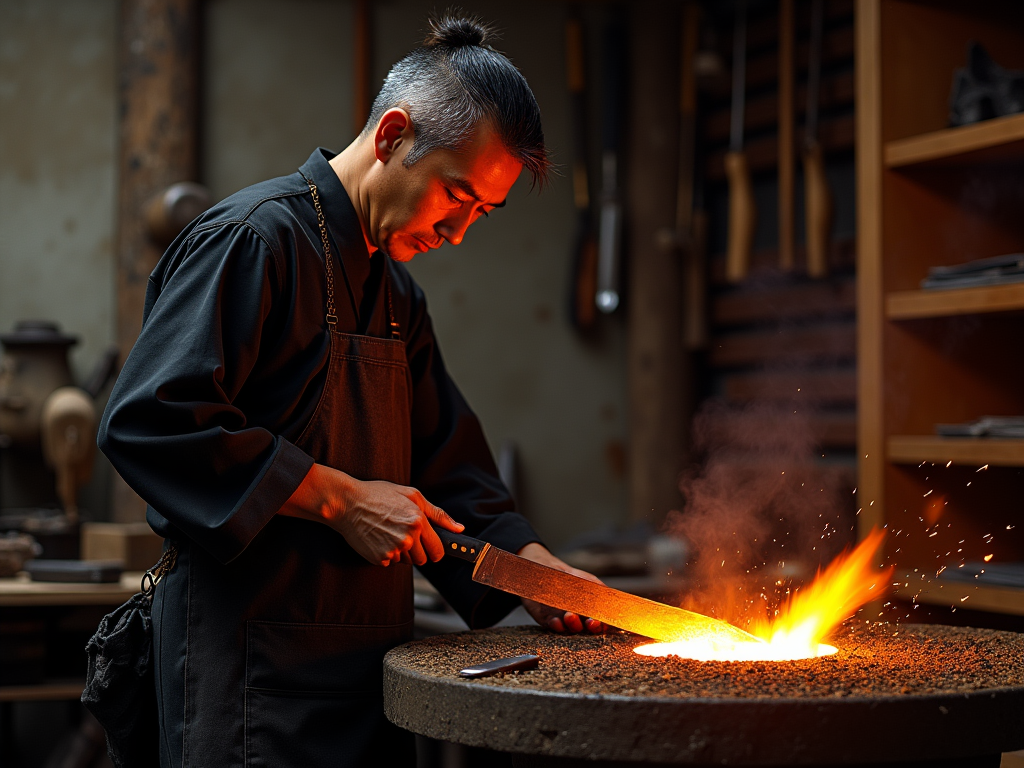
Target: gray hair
point(454, 81)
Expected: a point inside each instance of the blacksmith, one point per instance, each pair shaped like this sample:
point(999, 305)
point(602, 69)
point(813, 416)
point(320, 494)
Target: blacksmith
point(288, 418)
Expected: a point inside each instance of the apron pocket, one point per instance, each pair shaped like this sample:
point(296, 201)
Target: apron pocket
point(314, 695)
point(300, 728)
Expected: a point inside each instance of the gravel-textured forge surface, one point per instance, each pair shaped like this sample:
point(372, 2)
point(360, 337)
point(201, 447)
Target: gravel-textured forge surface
point(872, 660)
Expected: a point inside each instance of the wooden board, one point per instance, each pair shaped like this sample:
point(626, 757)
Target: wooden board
point(788, 302)
point(811, 386)
point(837, 341)
point(912, 449)
point(997, 140)
point(908, 305)
point(22, 592)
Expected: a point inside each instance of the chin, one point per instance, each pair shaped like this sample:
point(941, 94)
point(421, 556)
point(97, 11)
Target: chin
point(401, 254)
point(398, 250)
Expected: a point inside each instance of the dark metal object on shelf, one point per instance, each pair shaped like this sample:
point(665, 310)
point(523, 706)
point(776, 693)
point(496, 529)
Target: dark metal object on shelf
point(988, 574)
point(983, 90)
point(996, 270)
point(75, 571)
point(1006, 427)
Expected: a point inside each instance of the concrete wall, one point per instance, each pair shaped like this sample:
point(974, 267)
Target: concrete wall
point(58, 144)
point(277, 84)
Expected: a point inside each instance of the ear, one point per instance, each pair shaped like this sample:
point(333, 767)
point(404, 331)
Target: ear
point(393, 128)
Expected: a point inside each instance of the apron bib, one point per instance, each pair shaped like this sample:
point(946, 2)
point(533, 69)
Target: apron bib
point(313, 689)
point(283, 646)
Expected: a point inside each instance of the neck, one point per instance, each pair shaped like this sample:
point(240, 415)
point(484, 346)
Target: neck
point(351, 167)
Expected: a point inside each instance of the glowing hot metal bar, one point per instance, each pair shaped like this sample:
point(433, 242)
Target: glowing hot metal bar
point(511, 573)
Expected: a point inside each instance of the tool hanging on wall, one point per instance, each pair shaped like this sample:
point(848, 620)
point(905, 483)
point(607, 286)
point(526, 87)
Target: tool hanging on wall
point(609, 242)
point(742, 210)
point(818, 207)
point(583, 279)
point(786, 128)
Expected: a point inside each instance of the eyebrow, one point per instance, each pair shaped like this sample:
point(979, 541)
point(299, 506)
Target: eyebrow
point(470, 190)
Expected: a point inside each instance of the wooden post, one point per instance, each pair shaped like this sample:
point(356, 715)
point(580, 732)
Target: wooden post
point(787, 33)
point(658, 391)
point(362, 54)
point(870, 323)
point(158, 92)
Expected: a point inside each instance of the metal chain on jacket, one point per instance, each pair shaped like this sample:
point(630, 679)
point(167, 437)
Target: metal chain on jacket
point(163, 566)
point(332, 317)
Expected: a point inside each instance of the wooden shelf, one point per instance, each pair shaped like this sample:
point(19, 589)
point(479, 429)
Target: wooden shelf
point(997, 140)
point(53, 691)
point(974, 597)
point(913, 449)
point(910, 305)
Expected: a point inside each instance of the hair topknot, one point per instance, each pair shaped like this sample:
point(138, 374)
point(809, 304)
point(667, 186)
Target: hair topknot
point(453, 30)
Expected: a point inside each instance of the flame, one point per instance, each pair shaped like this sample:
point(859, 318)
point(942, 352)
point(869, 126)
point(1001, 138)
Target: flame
point(804, 621)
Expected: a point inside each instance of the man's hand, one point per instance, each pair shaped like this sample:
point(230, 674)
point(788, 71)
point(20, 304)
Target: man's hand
point(383, 522)
point(552, 618)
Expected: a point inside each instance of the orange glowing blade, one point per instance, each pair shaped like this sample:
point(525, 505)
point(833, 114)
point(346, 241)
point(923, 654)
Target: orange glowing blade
point(511, 573)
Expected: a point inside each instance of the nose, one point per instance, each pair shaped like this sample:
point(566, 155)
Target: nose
point(453, 228)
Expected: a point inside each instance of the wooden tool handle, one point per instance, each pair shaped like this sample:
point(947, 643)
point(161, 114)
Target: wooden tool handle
point(742, 216)
point(818, 211)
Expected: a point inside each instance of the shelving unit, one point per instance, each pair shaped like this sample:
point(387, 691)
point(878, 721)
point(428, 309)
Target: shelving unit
point(929, 195)
point(911, 305)
point(973, 452)
point(998, 140)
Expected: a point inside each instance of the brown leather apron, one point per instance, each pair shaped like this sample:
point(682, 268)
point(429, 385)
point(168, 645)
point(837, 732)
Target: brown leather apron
point(283, 646)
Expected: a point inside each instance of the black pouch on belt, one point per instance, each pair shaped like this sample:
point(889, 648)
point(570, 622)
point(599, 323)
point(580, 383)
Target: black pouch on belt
point(119, 687)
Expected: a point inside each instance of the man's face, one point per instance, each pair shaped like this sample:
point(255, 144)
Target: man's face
point(436, 199)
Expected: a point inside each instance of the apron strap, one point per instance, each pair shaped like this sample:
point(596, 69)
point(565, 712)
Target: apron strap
point(332, 315)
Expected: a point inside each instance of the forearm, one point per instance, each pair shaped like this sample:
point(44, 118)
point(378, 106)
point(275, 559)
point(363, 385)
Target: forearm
point(322, 496)
point(382, 521)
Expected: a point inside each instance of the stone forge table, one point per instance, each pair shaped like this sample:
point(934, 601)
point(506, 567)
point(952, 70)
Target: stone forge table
point(910, 695)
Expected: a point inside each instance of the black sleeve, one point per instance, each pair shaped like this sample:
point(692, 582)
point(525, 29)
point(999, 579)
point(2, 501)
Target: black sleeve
point(170, 427)
point(452, 466)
